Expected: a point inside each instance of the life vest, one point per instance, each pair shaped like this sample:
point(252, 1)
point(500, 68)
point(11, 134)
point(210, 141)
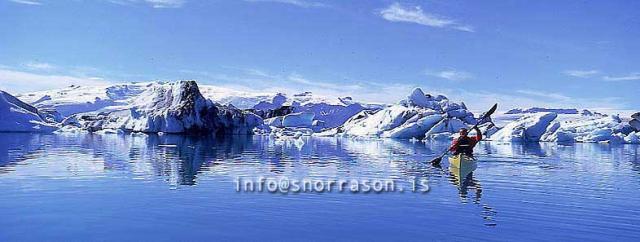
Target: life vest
point(464, 146)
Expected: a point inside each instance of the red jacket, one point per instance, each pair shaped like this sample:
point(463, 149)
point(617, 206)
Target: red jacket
point(472, 141)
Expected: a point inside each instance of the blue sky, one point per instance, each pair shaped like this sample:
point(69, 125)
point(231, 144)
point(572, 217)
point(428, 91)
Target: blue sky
point(583, 54)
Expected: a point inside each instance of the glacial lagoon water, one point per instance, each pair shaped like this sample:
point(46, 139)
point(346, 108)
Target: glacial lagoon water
point(181, 188)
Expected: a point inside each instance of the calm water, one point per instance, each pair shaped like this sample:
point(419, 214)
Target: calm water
point(107, 188)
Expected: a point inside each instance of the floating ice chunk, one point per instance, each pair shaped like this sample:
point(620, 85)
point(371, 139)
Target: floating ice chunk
point(528, 128)
point(589, 129)
point(138, 134)
point(109, 131)
point(633, 138)
point(441, 136)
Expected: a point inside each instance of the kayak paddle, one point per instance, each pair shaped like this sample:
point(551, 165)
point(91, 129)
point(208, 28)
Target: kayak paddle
point(436, 161)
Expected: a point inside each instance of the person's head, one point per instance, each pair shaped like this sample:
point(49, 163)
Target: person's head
point(464, 132)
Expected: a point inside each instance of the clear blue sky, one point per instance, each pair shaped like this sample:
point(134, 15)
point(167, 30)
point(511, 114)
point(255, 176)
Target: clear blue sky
point(582, 54)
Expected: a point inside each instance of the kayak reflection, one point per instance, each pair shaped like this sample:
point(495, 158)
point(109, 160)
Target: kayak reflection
point(461, 176)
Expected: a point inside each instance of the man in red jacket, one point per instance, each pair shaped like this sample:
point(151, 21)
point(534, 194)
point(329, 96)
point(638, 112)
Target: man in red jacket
point(464, 144)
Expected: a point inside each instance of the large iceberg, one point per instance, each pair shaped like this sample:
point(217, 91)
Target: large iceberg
point(177, 107)
point(567, 128)
point(528, 128)
point(17, 116)
point(592, 129)
point(418, 116)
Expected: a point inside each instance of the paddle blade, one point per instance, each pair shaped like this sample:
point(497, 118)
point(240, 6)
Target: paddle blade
point(491, 111)
point(436, 161)
point(484, 116)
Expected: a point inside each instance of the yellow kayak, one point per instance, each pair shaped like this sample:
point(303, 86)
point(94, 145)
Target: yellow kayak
point(462, 162)
point(461, 166)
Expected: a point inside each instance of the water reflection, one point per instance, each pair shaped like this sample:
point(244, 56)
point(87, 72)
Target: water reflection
point(464, 181)
point(183, 158)
point(183, 161)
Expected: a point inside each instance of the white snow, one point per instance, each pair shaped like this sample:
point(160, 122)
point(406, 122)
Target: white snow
point(92, 100)
point(17, 116)
point(106, 98)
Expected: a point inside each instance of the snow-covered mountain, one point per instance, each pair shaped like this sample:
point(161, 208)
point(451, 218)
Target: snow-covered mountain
point(306, 111)
point(544, 110)
point(319, 111)
point(82, 99)
point(17, 116)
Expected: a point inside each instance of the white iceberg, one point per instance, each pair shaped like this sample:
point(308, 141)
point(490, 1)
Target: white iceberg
point(588, 129)
point(633, 138)
point(17, 116)
point(418, 116)
point(528, 128)
point(177, 107)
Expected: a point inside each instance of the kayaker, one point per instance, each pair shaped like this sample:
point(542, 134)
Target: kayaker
point(464, 144)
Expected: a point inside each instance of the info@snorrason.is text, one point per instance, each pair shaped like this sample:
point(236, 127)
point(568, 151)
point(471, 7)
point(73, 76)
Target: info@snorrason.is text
point(307, 185)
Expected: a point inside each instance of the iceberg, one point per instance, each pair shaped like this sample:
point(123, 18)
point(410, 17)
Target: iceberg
point(632, 138)
point(302, 119)
point(17, 116)
point(310, 111)
point(589, 129)
point(418, 116)
point(177, 107)
point(635, 121)
point(528, 128)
